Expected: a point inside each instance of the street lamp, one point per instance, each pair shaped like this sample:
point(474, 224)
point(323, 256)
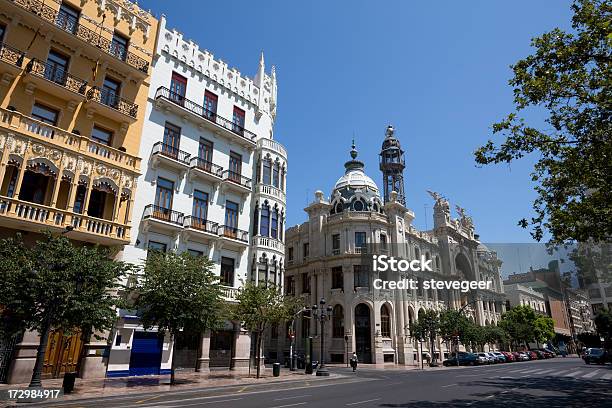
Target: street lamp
point(292, 357)
point(322, 314)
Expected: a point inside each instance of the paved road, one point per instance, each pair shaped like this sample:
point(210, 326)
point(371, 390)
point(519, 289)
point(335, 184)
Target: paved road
point(557, 382)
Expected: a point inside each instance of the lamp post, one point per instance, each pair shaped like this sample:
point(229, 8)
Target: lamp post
point(292, 357)
point(322, 314)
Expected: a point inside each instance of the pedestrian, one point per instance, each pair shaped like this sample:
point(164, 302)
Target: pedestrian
point(354, 361)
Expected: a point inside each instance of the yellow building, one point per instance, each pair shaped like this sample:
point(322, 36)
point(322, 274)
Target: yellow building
point(74, 79)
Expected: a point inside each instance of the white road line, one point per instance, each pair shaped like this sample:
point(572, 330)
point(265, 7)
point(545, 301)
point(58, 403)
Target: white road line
point(544, 372)
point(197, 403)
point(516, 371)
point(574, 374)
point(297, 396)
point(529, 371)
point(360, 402)
point(607, 377)
point(448, 385)
point(591, 374)
point(558, 373)
point(289, 405)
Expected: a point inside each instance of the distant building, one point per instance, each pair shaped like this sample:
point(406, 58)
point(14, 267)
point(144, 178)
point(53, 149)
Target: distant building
point(523, 295)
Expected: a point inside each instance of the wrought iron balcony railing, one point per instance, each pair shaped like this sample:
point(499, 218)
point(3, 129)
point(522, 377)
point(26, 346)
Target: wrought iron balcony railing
point(237, 178)
point(171, 152)
point(71, 25)
point(57, 74)
point(11, 55)
point(234, 233)
point(164, 214)
point(199, 110)
point(112, 100)
point(201, 224)
point(208, 167)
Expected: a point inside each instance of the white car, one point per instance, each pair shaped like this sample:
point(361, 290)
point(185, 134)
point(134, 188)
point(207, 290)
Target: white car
point(493, 357)
point(524, 356)
point(484, 358)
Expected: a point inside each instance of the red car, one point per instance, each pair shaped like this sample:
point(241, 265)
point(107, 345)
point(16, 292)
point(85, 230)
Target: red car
point(533, 355)
point(509, 356)
point(517, 356)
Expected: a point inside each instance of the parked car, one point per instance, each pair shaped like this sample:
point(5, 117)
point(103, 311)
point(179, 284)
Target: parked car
point(525, 356)
point(532, 355)
point(500, 356)
point(464, 359)
point(548, 353)
point(485, 358)
point(539, 354)
point(509, 356)
point(595, 356)
point(517, 356)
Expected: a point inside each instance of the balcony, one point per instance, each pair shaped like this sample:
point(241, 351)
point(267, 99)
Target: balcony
point(111, 105)
point(70, 31)
point(233, 237)
point(273, 146)
point(269, 243)
point(228, 293)
point(27, 216)
point(54, 80)
point(169, 156)
point(368, 216)
point(12, 61)
point(271, 191)
point(58, 138)
point(182, 106)
point(205, 170)
point(236, 181)
point(163, 219)
point(201, 228)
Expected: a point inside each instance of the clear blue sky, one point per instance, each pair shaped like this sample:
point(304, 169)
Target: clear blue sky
point(437, 71)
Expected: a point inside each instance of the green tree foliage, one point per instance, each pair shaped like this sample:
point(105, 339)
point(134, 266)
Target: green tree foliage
point(603, 324)
point(522, 325)
point(56, 285)
point(259, 307)
point(543, 329)
point(427, 328)
point(567, 77)
point(179, 292)
point(453, 326)
point(593, 262)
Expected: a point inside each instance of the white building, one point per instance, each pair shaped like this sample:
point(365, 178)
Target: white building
point(324, 260)
point(210, 165)
point(521, 295)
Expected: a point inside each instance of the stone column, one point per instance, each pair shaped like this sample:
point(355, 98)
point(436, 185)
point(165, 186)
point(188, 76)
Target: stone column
point(25, 357)
point(93, 363)
point(203, 363)
point(242, 351)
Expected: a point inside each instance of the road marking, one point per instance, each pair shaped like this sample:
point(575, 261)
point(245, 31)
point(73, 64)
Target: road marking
point(607, 377)
point(471, 375)
point(289, 405)
point(529, 371)
point(148, 399)
point(362, 402)
point(489, 396)
point(506, 377)
point(297, 396)
point(591, 374)
point(516, 371)
point(243, 388)
point(544, 372)
point(200, 403)
point(557, 373)
point(574, 374)
point(449, 385)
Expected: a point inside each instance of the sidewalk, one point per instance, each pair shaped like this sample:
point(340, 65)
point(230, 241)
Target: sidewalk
point(104, 387)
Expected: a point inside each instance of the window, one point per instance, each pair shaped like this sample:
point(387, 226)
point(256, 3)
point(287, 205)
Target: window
point(337, 278)
point(205, 150)
point(383, 242)
point(231, 214)
point(264, 228)
point(195, 253)
point(267, 168)
point(67, 18)
point(305, 327)
point(57, 67)
point(164, 194)
point(45, 114)
point(274, 331)
point(110, 92)
point(335, 244)
point(119, 46)
point(2, 31)
point(306, 248)
point(360, 240)
point(227, 271)
point(101, 136)
point(275, 174)
point(305, 283)
point(235, 166)
point(156, 246)
point(360, 277)
point(210, 105)
point(338, 322)
point(290, 285)
point(178, 88)
point(290, 254)
point(417, 253)
point(238, 119)
point(385, 321)
point(79, 199)
point(200, 206)
point(274, 225)
point(172, 139)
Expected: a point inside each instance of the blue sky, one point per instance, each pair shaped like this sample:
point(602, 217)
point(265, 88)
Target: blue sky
point(437, 71)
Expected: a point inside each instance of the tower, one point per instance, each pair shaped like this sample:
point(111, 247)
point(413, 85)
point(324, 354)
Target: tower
point(392, 166)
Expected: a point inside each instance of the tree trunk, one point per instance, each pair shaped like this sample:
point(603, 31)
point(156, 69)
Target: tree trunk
point(258, 351)
point(173, 359)
point(40, 355)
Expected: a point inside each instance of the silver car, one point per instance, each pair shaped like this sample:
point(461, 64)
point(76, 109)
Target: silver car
point(484, 358)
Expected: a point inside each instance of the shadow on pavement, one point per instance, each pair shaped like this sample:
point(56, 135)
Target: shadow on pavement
point(542, 392)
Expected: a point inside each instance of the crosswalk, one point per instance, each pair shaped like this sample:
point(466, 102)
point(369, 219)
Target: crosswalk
point(589, 373)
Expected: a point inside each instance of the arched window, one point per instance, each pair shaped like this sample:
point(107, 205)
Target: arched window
point(256, 219)
point(275, 175)
point(274, 229)
point(338, 207)
point(264, 230)
point(417, 253)
point(385, 321)
point(282, 179)
point(338, 323)
point(267, 171)
point(437, 262)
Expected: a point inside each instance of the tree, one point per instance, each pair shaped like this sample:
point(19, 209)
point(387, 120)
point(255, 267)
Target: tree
point(56, 285)
point(453, 326)
point(543, 329)
point(568, 78)
point(178, 292)
point(493, 334)
point(518, 323)
point(603, 324)
point(428, 327)
point(259, 307)
point(593, 262)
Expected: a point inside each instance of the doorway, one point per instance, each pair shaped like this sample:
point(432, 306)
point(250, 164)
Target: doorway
point(363, 334)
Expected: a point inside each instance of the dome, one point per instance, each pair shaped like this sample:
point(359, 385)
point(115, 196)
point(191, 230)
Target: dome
point(355, 190)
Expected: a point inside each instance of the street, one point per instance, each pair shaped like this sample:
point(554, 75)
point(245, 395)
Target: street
point(557, 382)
